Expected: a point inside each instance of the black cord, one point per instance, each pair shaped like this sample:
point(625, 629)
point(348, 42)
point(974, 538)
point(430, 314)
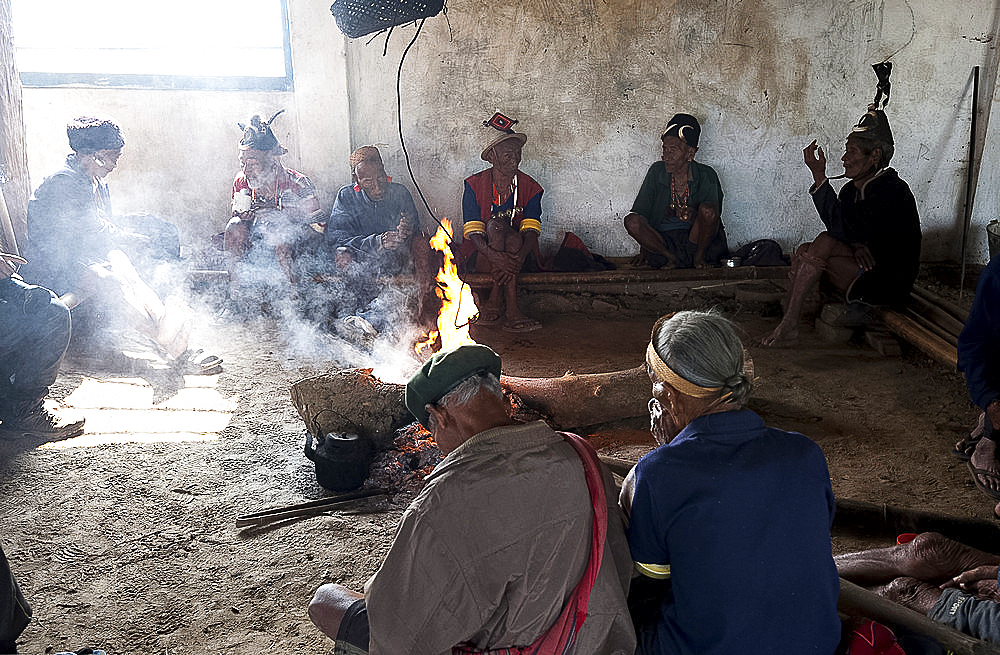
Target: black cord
point(406, 155)
point(399, 125)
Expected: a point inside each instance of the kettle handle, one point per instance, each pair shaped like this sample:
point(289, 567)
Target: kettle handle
point(309, 451)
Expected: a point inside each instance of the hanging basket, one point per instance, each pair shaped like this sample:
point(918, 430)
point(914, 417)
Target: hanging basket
point(357, 18)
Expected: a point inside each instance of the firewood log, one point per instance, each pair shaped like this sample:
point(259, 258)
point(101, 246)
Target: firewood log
point(577, 401)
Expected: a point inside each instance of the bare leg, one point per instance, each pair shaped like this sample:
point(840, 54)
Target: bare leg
point(912, 593)
point(703, 230)
point(328, 605)
point(930, 557)
point(236, 244)
point(283, 253)
point(825, 254)
point(649, 239)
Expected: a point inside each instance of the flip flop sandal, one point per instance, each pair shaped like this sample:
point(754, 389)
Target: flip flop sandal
point(976, 472)
point(488, 318)
point(522, 326)
point(964, 448)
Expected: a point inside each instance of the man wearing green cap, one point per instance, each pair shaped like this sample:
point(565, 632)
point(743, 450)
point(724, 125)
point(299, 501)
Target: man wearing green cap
point(870, 250)
point(503, 547)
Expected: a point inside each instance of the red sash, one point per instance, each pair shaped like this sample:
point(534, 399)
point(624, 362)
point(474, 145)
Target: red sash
point(561, 636)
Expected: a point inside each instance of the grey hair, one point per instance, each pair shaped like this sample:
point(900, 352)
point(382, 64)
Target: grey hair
point(703, 348)
point(466, 389)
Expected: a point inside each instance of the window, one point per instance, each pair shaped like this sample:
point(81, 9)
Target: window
point(181, 44)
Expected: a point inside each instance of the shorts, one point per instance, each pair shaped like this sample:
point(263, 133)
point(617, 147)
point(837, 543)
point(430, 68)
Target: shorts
point(352, 636)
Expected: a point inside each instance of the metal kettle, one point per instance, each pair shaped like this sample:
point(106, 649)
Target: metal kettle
point(341, 459)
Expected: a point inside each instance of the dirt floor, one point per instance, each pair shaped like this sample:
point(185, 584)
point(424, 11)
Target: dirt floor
point(132, 546)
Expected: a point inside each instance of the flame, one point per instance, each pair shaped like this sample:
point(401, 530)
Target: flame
point(458, 307)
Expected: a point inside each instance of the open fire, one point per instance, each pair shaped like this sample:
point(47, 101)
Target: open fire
point(458, 307)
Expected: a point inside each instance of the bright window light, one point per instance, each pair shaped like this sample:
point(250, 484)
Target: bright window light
point(183, 44)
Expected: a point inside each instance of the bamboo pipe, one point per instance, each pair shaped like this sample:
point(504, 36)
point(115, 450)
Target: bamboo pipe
point(8, 240)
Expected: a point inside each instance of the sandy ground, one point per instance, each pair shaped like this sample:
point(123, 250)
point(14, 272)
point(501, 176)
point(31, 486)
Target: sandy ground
point(133, 547)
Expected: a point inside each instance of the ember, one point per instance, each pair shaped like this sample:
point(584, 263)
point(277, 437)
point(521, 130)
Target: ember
point(458, 307)
point(403, 466)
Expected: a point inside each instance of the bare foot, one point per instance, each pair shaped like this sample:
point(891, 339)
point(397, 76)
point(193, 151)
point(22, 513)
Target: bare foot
point(784, 336)
point(984, 457)
point(910, 592)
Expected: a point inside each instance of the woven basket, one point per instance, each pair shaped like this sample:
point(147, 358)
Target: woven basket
point(356, 18)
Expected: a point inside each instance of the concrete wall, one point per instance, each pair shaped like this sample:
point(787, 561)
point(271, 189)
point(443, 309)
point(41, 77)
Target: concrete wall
point(593, 84)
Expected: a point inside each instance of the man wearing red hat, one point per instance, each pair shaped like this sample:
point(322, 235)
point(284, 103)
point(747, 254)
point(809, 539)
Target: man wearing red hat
point(502, 210)
point(676, 216)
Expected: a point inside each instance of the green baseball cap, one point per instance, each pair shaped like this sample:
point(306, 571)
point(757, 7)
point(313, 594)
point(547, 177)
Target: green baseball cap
point(445, 371)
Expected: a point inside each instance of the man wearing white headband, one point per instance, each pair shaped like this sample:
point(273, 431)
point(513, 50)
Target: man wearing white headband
point(676, 217)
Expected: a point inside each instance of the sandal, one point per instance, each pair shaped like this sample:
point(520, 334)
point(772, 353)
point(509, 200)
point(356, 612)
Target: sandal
point(965, 447)
point(521, 325)
point(488, 317)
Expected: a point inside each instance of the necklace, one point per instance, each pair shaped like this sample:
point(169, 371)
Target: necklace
point(679, 198)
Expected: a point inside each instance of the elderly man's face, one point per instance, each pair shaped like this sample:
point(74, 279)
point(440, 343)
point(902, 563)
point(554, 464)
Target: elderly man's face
point(676, 153)
point(260, 168)
point(370, 176)
point(505, 157)
point(856, 161)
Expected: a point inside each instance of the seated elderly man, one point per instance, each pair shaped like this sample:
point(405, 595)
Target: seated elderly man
point(274, 209)
point(34, 334)
point(948, 581)
point(75, 250)
point(373, 234)
point(676, 215)
point(373, 220)
point(870, 250)
point(502, 210)
point(726, 503)
point(469, 570)
point(979, 359)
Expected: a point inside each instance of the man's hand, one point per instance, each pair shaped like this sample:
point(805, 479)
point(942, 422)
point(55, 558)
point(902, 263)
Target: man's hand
point(815, 159)
point(661, 424)
point(6, 269)
point(406, 225)
point(980, 581)
point(863, 256)
point(504, 265)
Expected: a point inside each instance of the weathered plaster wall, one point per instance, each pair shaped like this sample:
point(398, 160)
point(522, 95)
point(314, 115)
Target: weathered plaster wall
point(593, 83)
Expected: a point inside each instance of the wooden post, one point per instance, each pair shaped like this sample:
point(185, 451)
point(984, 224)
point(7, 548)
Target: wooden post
point(13, 154)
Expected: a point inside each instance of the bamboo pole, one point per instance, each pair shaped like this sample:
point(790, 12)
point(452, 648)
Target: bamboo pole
point(857, 601)
point(305, 509)
point(922, 338)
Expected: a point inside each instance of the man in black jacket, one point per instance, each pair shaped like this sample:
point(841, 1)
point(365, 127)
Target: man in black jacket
point(870, 250)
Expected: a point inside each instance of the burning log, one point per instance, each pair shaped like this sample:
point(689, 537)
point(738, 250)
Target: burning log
point(577, 401)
